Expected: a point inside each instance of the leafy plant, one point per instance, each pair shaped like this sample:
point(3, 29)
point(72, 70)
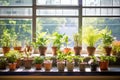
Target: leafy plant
point(66, 40)
point(70, 58)
point(60, 56)
point(91, 35)
point(38, 60)
point(107, 58)
point(3, 61)
point(5, 38)
point(94, 60)
point(12, 56)
point(42, 39)
point(116, 46)
point(57, 39)
point(107, 37)
point(78, 38)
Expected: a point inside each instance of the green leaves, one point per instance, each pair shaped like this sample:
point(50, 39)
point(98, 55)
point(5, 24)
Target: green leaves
point(38, 60)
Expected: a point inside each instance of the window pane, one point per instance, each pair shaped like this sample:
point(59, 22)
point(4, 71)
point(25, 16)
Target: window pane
point(91, 2)
point(111, 23)
point(61, 25)
point(15, 2)
point(22, 27)
point(16, 11)
point(116, 2)
point(57, 2)
point(61, 12)
point(106, 2)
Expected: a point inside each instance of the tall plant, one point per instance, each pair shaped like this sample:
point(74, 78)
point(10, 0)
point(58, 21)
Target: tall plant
point(91, 35)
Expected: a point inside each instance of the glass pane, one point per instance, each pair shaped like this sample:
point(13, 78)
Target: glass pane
point(15, 2)
point(57, 2)
point(62, 12)
point(116, 12)
point(116, 2)
point(106, 2)
point(22, 27)
point(61, 25)
point(91, 2)
point(103, 11)
point(16, 11)
point(111, 23)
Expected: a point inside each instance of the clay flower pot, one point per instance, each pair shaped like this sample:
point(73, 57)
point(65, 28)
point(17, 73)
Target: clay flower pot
point(48, 65)
point(54, 49)
point(82, 66)
point(28, 63)
point(42, 50)
point(77, 50)
point(61, 66)
point(108, 50)
point(18, 48)
point(91, 50)
point(38, 66)
point(6, 49)
point(12, 66)
point(70, 66)
point(104, 65)
point(66, 50)
point(18, 63)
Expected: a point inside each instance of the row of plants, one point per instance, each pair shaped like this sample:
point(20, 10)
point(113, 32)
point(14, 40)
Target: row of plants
point(13, 59)
point(91, 36)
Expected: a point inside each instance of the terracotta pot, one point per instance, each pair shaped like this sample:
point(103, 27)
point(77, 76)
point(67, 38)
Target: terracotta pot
point(6, 49)
point(12, 66)
point(91, 50)
point(18, 48)
point(28, 63)
point(42, 50)
point(77, 50)
point(66, 50)
point(18, 63)
point(47, 65)
point(108, 50)
point(61, 66)
point(38, 66)
point(82, 66)
point(104, 65)
point(54, 49)
point(70, 66)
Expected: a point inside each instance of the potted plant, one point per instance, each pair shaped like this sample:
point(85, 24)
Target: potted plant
point(82, 63)
point(57, 41)
point(94, 63)
point(104, 61)
point(5, 41)
point(78, 42)
point(41, 42)
point(66, 40)
point(60, 61)
point(70, 62)
point(107, 40)
point(3, 62)
point(91, 36)
point(116, 48)
point(38, 62)
point(47, 63)
point(12, 58)
point(27, 59)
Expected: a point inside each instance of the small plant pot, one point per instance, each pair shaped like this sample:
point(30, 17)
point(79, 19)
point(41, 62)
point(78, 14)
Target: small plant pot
point(93, 66)
point(12, 66)
point(66, 50)
point(77, 50)
point(42, 50)
point(108, 50)
point(82, 66)
point(54, 49)
point(28, 63)
point(18, 48)
point(47, 65)
point(38, 66)
point(61, 66)
point(104, 65)
point(91, 50)
point(18, 63)
point(6, 50)
point(70, 66)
